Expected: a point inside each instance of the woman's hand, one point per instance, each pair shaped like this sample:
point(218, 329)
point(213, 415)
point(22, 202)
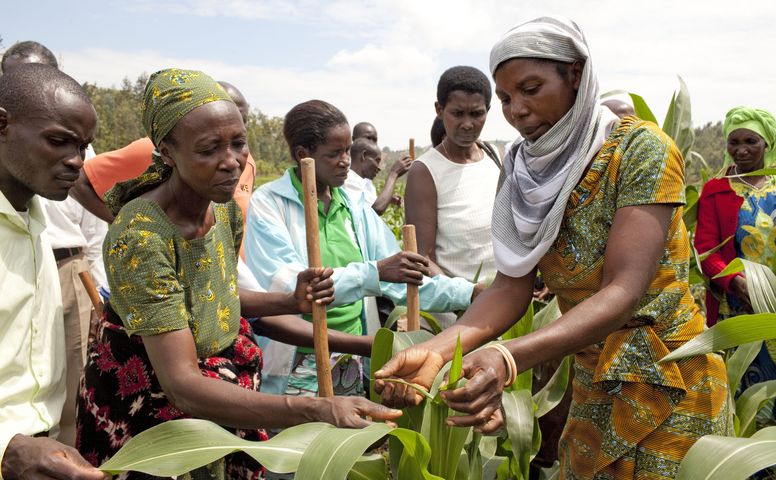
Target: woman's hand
point(403, 267)
point(480, 398)
point(353, 412)
point(741, 290)
point(314, 285)
point(419, 365)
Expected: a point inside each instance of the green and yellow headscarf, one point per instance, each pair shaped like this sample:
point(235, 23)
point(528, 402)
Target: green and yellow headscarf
point(169, 95)
point(757, 120)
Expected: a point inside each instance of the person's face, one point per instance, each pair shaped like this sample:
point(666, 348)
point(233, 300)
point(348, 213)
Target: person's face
point(208, 149)
point(464, 116)
point(534, 96)
point(747, 149)
point(372, 162)
point(43, 150)
point(332, 157)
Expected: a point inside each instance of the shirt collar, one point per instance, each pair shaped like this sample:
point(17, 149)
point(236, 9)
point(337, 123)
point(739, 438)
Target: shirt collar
point(337, 198)
point(37, 220)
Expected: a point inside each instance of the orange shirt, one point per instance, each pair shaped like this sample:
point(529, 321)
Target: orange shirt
point(109, 168)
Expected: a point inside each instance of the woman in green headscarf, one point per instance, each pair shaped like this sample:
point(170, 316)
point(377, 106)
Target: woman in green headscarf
point(172, 343)
point(741, 207)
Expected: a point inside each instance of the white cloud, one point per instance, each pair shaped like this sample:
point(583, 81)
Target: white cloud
point(392, 52)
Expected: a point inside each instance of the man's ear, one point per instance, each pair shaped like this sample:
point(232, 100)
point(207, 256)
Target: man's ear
point(164, 151)
point(3, 123)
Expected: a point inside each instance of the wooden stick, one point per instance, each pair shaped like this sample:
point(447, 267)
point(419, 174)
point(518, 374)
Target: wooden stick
point(412, 148)
point(94, 296)
point(320, 332)
point(91, 289)
point(413, 298)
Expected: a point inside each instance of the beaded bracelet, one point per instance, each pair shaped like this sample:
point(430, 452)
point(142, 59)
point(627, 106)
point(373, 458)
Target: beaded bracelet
point(509, 360)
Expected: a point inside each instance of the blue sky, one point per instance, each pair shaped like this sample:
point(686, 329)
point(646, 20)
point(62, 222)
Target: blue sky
point(380, 60)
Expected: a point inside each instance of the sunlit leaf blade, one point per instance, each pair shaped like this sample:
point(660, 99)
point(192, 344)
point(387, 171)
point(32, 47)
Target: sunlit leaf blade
point(740, 360)
point(523, 326)
point(179, 446)
point(729, 458)
point(477, 273)
point(388, 342)
point(371, 467)
point(727, 334)
point(415, 455)
point(750, 402)
point(690, 214)
point(755, 173)
point(414, 386)
point(333, 454)
point(735, 266)
point(432, 322)
point(547, 315)
point(398, 312)
point(641, 108)
point(456, 368)
point(518, 407)
point(552, 393)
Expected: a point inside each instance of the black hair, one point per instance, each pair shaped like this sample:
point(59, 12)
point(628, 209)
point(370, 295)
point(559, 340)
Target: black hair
point(465, 79)
point(437, 131)
point(307, 124)
point(360, 126)
point(22, 89)
point(29, 48)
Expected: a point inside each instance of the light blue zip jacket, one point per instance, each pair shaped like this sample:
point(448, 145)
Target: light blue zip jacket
point(276, 251)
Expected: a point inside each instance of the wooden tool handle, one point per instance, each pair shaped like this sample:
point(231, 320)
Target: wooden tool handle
point(91, 290)
point(413, 298)
point(412, 148)
point(320, 331)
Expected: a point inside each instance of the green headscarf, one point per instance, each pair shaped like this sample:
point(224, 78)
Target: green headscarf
point(169, 95)
point(757, 120)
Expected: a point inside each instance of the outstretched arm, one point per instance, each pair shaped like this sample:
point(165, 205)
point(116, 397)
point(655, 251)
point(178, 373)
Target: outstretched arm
point(386, 196)
point(84, 193)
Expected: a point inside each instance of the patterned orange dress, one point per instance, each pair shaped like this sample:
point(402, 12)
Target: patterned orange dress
point(632, 418)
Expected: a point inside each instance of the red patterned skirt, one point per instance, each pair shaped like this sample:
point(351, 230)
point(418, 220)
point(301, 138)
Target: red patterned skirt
point(120, 396)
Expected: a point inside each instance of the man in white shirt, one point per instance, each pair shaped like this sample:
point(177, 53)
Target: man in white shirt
point(76, 237)
point(365, 163)
point(46, 123)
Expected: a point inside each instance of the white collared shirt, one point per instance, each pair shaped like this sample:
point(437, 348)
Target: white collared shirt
point(32, 337)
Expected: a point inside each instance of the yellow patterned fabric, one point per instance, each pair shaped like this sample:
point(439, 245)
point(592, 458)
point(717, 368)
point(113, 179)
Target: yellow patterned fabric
point(632, 418)
point(161, 282)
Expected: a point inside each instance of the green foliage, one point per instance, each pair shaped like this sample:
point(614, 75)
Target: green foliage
point(724, 458)
point(118, 113)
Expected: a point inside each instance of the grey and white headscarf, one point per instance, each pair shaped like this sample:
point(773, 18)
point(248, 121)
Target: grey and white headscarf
point(541, 175)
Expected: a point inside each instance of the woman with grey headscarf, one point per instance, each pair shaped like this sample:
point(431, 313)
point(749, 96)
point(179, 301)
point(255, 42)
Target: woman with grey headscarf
point(595, 204)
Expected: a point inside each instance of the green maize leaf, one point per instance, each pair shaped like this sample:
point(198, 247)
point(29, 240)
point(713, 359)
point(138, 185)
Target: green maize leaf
point(477, 273)
point(739, 361)
point(730, 333)
point(735, 266)
point(179, 446)
point(668, 122)
point(432, 322)
point(696, 277)
point(446, 442)
point(333, 454)
point(642, 109)
point(729, 458)
point(415, 456)
point(750, 402)
point(456, 369)
point(474, 458)
point(552, 393)
point(370, 467)
point(761, 284)
point(342, 359)
point(690, 215)
point(415, 386)
point(703, 256)
point(547, 315)
point(491, 461)
point(550, 473)
point(678, 121)
point(519, 410)
point(397, 312)
point(612, 93)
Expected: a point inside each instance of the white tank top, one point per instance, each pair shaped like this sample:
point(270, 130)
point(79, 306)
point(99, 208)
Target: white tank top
point(465, 195)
